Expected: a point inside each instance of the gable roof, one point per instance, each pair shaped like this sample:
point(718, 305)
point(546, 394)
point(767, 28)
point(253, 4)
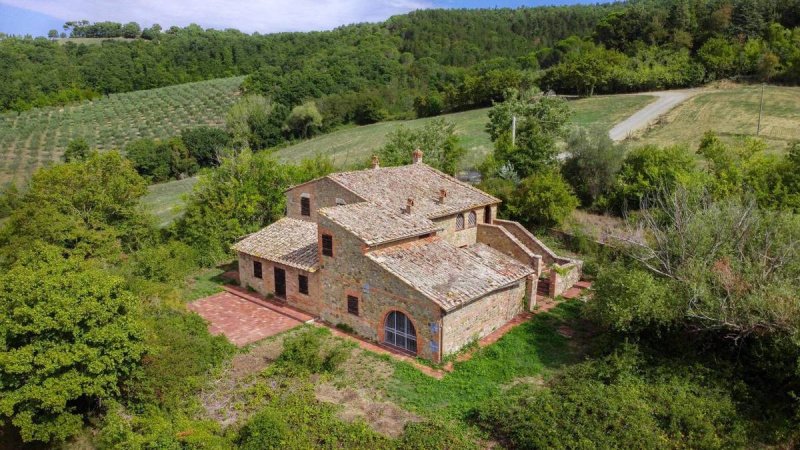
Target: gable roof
point(448, 275)
point(288, 241)
point(375, 225)
point(391, 187)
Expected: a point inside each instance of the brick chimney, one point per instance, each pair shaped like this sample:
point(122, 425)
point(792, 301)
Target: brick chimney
point(442, 195)
point(375, 163)
point(417, 156)
point(409, 205)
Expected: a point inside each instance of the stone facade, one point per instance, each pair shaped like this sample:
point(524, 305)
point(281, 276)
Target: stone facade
point(348, 272)
point(266, 284)
point(481, 317)
point(453, 285)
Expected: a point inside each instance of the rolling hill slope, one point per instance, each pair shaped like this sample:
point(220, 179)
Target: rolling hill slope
point(39, 136)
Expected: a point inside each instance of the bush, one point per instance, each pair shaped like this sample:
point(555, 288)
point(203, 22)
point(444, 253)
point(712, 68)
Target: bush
point(307, 351)
point(628, 299)
point(77, 150)
point(298, 421)
point(543, 199)
point(205, 144)
point(621, 401)
point(435, 434)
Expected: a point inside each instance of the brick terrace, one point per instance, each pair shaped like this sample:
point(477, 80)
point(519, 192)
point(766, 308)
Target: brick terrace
point(245, 318)
point(240, 320)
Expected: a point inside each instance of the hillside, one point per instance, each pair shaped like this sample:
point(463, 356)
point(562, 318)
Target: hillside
point(353, 145)
point(33, 138)
point(731, 111)
point(356, 144)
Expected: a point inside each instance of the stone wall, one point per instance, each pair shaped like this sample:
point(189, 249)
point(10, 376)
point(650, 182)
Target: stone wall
point(350, 272)
point(266, 285)
point(501, 240)
point(322, 193)
point(481, 317)
point(560, 282)
point(468, 235)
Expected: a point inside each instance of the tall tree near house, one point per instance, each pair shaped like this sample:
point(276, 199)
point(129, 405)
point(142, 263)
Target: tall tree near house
point(69, 336)
point(540, 121)
point(304, 120)
point(437, 139)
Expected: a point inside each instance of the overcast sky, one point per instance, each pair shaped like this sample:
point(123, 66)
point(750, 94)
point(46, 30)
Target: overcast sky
point(265, 16)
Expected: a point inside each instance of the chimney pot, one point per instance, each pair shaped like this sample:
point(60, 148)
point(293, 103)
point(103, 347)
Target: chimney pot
point(409, 205)
point(375, 162)
point(417, 156)
point(442, 195)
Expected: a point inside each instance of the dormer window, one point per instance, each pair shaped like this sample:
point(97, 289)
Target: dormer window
point(305, 205)
point(472, 219)
point(460, 222)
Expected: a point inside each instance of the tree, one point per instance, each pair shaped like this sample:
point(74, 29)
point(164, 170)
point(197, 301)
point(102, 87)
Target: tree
point(69, 335)
point(148, 160)
point(543, 199)
point(77, 150)
point(593, 162)
point(89, 208)
point(585, 68)
point(52, 34)
point(719, 57)
point(540, 120)
point(205, 144)
point(735, 268)
point(131, 30)
point(244, 194)
point(304, 120)
point(251, 122)
point(437, 139)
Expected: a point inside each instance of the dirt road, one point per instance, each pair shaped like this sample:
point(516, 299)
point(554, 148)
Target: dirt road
point(647, 115)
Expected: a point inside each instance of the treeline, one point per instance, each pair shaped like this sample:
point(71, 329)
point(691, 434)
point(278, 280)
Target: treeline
point(426, 62)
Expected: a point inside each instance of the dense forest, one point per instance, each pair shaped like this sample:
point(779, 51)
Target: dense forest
point(425, 62)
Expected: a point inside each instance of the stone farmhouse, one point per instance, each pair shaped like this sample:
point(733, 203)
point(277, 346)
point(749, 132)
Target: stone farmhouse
point(408, 257)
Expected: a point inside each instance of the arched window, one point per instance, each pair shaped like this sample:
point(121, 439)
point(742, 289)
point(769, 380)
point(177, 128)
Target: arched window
point(472, 219)
point(399, 332)
point(460, 222)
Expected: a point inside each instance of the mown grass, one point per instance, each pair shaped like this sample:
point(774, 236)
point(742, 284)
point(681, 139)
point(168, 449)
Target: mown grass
point(38, 137)
point(528, 353)
point(731, 112)
point(356, 144)
point(167, 200)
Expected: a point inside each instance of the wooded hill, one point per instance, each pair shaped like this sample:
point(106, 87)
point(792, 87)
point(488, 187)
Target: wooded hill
point(425, 62)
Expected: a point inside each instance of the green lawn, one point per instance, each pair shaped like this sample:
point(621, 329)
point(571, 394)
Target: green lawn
point(529, 353)
point(356, 144)
point(731, 112)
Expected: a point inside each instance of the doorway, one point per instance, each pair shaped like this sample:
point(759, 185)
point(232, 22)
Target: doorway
point(280, 283)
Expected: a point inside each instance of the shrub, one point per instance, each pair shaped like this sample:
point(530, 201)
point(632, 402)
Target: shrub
point(306, 351)
point(631, 299)
point(205, 144)
point(435, 434)
point(77, 150)
point(620, 401)
point(543, 199)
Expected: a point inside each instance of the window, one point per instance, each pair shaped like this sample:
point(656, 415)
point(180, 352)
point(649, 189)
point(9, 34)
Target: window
point(352, 305)
point(327, 245)
point(340, 201)
point(487, 214)
point(460, 222)
point(257, 269)
point(302, 284)
point(472, 219)
point(399, 332)
point(305, 206)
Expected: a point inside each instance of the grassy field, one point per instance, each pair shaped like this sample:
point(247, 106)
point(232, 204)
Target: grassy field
point(38, 137)
point(353, 144)
point(166, 200)
point(358, 143)
point(731, 111)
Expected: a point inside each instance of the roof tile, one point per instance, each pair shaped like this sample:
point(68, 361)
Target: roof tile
point(288, 241)
point(375, 225)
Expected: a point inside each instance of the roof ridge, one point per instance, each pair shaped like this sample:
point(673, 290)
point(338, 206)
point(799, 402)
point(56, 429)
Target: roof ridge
point(456, 180)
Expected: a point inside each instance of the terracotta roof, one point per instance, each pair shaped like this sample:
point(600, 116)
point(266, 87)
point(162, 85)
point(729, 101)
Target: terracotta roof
point(288, 241)
point(448, 275)
point(375, 225)
point(391, 187)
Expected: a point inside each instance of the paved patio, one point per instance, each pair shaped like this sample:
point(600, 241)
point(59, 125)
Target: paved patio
point(240, 320)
